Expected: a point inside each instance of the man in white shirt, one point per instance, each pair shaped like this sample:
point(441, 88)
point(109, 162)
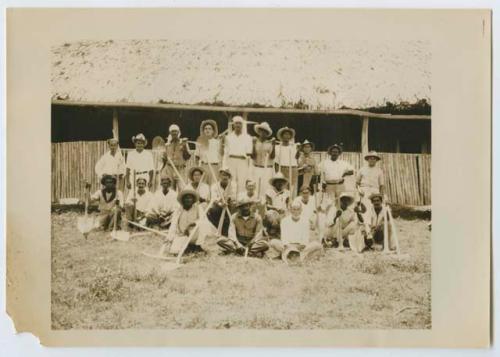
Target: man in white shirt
point(277, 197)
point(196, 184)
point(139, 161)
point(238, 150)
point(333, 171)
point(295, 235)
point(137, 205)
point(286, 155)
point(208, 148)
point(162, 204)
point(111, 163)
point(222, 198)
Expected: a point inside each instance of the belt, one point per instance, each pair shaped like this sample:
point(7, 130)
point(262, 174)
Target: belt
point(295, 166)
point(237, 157)
point(141, 172)
point(335, 182)
point(210, 163)
point(264, 167)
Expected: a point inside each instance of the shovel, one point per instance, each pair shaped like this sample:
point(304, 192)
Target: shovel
point(86, 223)
point(118, 235)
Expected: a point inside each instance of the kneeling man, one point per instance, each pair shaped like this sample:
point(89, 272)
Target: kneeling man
point(245, 232)
point(137, 205)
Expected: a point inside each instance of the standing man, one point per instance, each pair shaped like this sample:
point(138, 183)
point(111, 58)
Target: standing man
point(177, 151)
point(238, 150)
point(333, 170)
point(286, 157)
point(308, 169)
point(111, 163)
point(139, 161)
point(263, 157)
point(208, 148)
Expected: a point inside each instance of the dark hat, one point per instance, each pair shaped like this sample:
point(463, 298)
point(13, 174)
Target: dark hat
point(187, 192)
point(104, 178)
point(335, 146)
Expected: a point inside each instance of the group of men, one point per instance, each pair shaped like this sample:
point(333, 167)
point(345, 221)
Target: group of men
point(243, 189)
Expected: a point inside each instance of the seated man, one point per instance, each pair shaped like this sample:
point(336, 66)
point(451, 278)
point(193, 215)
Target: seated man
point(377, 222)
point(162, 204)
point(296, 235)
point(195, 174)
point(136, 206)
point(222, 198)
point(187, 223)
point(245, 233)
point(277, 197)
point(250, 193)
point(345, 228)
point(110, 202)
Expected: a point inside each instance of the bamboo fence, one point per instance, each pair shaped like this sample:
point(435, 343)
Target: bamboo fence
point(407, 176)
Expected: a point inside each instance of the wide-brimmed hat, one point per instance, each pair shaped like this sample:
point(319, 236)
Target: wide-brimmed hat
point(263, 126)
point(283, 130)
point(335, 146)
point(141, 179)
point(112, 140)
point(226, 171)
point(372, 154)
point(307, 142)
point(289, 251)
point(279, 177)
point(186, 192)
point(373, 195)
point(104, 178)
point(140, 137)
point(193, 169)
point(243, 201)
point(212, 123)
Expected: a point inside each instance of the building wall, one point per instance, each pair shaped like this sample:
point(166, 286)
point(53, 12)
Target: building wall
point(72, 123)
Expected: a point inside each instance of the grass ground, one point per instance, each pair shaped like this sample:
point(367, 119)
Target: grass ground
point(103, 284)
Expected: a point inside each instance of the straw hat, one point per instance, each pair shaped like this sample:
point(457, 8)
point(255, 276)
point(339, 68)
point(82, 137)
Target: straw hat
point(141, 179)
point(212, 123)
point(243, 201)
point(279, 176)
point(337, 146)
point(283, 130)
point(140, 137)
point(104, 178)
point(372, 154)
point(226, 171)
point(307, 142)
point(187, 192)
point(263, 126)
point(373, 195)
point(290, 250)
point(193, 169)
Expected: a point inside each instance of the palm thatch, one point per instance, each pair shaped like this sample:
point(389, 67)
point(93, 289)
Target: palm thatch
point(301, 74)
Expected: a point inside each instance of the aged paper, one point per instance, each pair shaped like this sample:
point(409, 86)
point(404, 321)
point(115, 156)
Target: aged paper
point(461, 119)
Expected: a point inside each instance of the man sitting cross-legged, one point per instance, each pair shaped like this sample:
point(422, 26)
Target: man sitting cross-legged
point(295, 235)
point(245, 233)
point(186, 218)
point(345, 226)
point(136, 206)
point(162, 204)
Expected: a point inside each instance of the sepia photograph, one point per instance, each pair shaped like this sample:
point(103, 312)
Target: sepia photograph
point(227, 184)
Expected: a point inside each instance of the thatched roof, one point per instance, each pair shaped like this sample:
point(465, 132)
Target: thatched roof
point(281, 74)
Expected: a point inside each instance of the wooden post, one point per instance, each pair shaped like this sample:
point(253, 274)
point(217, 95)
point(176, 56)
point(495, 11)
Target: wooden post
point(364, 135)
point(116, 134)
point(245, 118)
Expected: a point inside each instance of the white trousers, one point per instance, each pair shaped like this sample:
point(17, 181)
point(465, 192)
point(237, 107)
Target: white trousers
point(261, 176)
point(240, 169)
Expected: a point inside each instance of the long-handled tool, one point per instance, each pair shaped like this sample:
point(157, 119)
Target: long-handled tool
point(394, 230)
point(86, 223)
point(120, 235)
point(386, 232)
point(134, 193)
point(181, 179)
point(292, 195)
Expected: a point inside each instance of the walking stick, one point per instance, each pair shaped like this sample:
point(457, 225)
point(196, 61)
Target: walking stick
point(292, 196)
point(176, 172)
point(386, 232)
point(135, 199)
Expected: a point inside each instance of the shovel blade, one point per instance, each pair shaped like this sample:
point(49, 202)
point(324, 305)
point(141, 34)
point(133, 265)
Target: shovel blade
point(85, 224)
point(120, 235)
